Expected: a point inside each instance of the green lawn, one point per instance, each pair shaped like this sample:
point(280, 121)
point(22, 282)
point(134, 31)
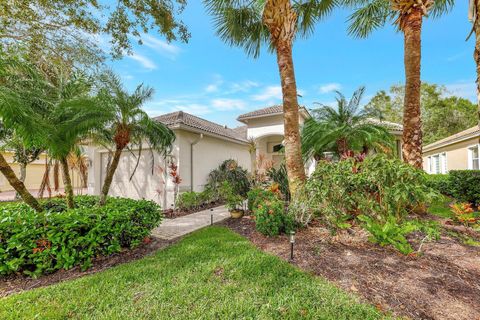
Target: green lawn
point(211, 274)
point(441, 207)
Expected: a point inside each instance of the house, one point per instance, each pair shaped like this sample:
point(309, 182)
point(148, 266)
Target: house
point(34, 175)
point(200, 147)
point(265, 128)
point(456, 152)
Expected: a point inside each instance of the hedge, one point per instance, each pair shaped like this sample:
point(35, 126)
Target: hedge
point(37, 243)
point(465, 185)
point(440, 182)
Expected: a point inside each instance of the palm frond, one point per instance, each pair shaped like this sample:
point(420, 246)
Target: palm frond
point(368, 16)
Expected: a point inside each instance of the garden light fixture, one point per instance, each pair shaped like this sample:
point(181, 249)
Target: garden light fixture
point(292, 242)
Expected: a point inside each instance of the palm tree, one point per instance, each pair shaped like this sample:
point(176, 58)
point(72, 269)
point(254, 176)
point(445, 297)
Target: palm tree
point(343, 129)
point(52, 107)
point(407, 15)
point(251, 23)
point(130, 125)
point(473, 7)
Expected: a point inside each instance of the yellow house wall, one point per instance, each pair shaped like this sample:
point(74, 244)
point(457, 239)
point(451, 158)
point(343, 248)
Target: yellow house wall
point(35, 172)
point(457, 154)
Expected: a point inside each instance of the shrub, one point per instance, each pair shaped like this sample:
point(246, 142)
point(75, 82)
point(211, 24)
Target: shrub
point(188, 201)
point(440, 182)
point(271, 218)
point(232, 199)
point(257, 196)
point(382, 190)
point(231, 172)
point(35, 243)
point(280, 177)
point(465, 185)
point(463, 213)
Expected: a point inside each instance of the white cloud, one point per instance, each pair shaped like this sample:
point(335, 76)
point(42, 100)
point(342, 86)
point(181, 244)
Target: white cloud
point(193, 108)
point(329, 87)
point(269, 93)
point(162, 47)
point(243, 86)
point(215, 85)
point(144, 61)
point(228, 104)
point(464, 89)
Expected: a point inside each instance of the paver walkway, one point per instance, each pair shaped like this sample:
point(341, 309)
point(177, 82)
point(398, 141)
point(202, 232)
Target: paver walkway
point(173, 228)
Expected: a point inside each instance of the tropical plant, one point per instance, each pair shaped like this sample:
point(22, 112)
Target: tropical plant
point(407, 15)
point(280, 178)
point(48, 104)
point(232, 199)
point(130, 125)
point(231, 172)
point(271, 218)
point(249, 24)
point(343, 129)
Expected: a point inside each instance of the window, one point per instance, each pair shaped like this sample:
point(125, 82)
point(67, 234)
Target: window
point(437, 163)
point(473, 158)
point(277, 148)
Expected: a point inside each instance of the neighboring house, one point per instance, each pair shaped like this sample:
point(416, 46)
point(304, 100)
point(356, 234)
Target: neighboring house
point(456, 152)
point(200, 147)
point(35, 173)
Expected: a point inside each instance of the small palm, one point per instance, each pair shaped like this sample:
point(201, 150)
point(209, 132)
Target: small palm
point(344, 128)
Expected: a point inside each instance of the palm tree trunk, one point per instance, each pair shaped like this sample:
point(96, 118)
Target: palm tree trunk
point(18, 185)
point(280, 19)
point(412, 123)
point(476, 56)
point(109, 177)
point(23, 175)
point(67, 183)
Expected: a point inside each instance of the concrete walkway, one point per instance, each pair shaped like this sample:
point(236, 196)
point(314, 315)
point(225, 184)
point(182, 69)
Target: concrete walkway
point(174, 228)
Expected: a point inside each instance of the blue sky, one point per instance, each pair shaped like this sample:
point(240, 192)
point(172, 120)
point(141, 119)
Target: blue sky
point(212, 80)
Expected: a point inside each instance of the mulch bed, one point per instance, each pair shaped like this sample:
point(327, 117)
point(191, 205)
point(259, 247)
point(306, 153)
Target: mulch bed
point(443, 282)
point(17, 283)
point(175, 213)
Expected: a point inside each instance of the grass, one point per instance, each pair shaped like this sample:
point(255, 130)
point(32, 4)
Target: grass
point(211, 274)
point(441, 207)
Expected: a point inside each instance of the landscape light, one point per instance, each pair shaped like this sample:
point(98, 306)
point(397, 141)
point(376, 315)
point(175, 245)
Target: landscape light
point(292, 242)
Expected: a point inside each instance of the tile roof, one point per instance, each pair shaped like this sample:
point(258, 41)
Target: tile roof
point(261, 112)
point(186, 119)
point(469, 133)
point(242, 131)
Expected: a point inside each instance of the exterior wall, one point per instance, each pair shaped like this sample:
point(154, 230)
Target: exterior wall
point(457, 155)
point(35, 172)
point(259, 127)
point(265, 145)
point(208, 154)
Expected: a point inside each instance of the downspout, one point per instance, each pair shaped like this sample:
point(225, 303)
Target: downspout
point(191, 159)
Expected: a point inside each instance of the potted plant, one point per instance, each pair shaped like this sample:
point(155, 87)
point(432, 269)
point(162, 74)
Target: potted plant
point(233, 201)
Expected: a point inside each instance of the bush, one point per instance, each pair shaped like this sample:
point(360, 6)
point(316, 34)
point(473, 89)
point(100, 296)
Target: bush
point(271, 218)
point(232, 173)
point(35, 243)
point(188, 201)
point(465, 186)
point(280, 177)
point(440, 182)
point(257, 196)
point(383, 190)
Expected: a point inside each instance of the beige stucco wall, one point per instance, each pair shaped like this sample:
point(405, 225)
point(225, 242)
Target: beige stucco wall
point(208, 154)
point(35, 172)
point(457, 155)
